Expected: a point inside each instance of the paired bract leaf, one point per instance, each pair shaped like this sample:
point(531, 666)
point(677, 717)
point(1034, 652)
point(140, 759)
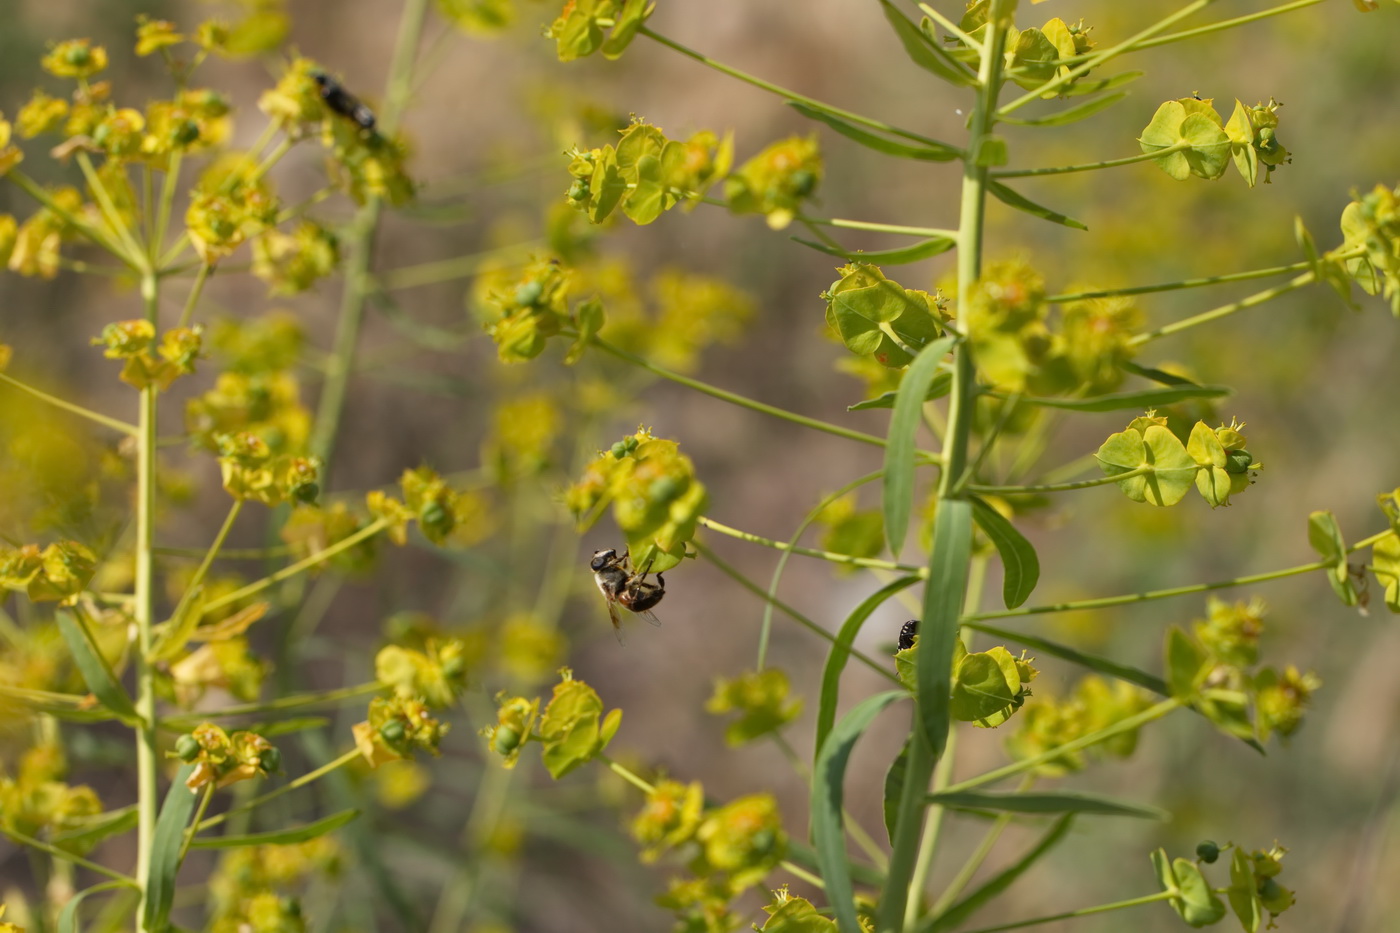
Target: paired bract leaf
point(1325, 536)
point(1167, 469)
point(1190, 137)
point(1193, 898)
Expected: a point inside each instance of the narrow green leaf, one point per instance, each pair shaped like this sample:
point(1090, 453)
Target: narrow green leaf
point(1080, 88)
point(1020, 565)
point(894, 789)
point(90, 663)
point(1046, 802)
point(280, 837)
point(1143, 399)
point(68, 916)
point(938, 629)
point(1156, 375)
point(1022, 203)
point(898, 493)
point(269, 730)
point(95, 829)
point(924, 52)
point(828, 829)
point(1093, 662)
point(886, 257)
point(1071, 115)
point(165, 851)
point(942, 384)
point(957, 915)
point(841, 652)
point(926, 152)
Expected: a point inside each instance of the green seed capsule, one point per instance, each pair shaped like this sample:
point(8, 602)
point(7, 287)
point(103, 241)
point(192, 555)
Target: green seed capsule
point(505, 740)
point(392, 732)
point(528, 294)
point(187, 748)
point(1208, 852)
point(270, 760)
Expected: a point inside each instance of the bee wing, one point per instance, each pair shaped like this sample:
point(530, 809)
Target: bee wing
point(649, 616)
point(615, 616)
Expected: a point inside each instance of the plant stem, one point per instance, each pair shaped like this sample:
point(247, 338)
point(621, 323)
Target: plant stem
point(319, 557)
point(742, 401)
point(1059, 487)
point(40, 845)
point(953, 28)
point(1258, 298)
point(1156, 711)
point(92, 233)
point(194, 824)
point(113, 216)
point(281, 704)
point(928, 844)
point(835, 558)
point(448, 270)
point(1104, 602)
point(1184, 283)
point(78, 410)
point(784, 92)
point(881, 228)
point(167, 204)
point(1225, 24)
point(790, 612)
point(807, 521)
point(1082, 912)
point(143, 613)
point(360, 243)
point(1091, 166)
point(287, 788)
point(909, 850)
point(200, 277)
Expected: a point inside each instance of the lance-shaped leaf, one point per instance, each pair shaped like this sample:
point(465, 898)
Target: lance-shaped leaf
point(900, 448)
point(279, 837)
point(924, 52)
point(1046, 802)
point(828, 829)
point(1022, 203)
point(1143, 399)
point(886, 257)
point(1020, 565)
point(931, 151)
point(993, 887)
point(93, 666)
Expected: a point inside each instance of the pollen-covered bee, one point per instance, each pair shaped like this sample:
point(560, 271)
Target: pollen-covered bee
point(622, 586)
point(906, 634)
point(342, 101)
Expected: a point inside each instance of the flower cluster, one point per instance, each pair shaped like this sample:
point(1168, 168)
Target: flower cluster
point(878, 318)
point(1217, 673)
point(58, 572)
point(146, 362)
point(1193, 139)
point(252, 886)
point(444, 515)
point(257, 391)
point(252, 471)
point(657, 499)
point(1164, 467)
point(1372, 221)
point(35, 801)
point(221, 759)
point(572, 731)
point(1094, 706)
point(776, 181)
point(646, 174)
point(761, 700)
point(397, 728)
point(578, 30)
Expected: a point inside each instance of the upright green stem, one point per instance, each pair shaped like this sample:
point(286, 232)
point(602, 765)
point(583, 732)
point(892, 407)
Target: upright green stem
point(143, 610)
point(361, 246)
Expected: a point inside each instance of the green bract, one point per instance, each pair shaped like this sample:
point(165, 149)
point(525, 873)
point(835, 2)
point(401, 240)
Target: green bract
point(578, 32)
point(573, 728)
point(877, 317)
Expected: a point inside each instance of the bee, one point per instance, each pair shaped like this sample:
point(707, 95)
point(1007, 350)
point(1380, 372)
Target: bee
point(342, 101)
point(906, 634)
point(623, 586)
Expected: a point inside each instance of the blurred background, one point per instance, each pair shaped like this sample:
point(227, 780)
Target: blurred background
point(456, 843)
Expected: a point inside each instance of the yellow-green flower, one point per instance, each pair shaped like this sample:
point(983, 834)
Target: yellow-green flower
point(669, 817)
point(152, 35)
point(42, 114)
point(75, 58)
